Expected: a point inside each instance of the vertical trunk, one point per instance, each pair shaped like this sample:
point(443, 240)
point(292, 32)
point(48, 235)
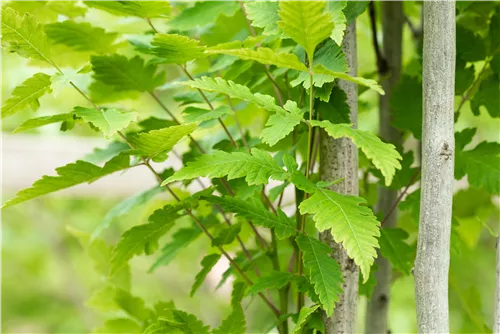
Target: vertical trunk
point(438, 144)
point(496, 319)
point(392, 23)
point(339, 158)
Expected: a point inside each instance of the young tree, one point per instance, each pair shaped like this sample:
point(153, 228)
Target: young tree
point(438, 144)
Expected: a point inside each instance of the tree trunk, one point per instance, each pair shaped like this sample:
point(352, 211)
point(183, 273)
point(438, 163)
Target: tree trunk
point(392, 23)
point(496, 319)
point(339, 158)
point(438, 144)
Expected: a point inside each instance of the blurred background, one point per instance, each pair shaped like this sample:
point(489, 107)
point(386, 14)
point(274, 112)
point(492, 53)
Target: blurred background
point(47, 278)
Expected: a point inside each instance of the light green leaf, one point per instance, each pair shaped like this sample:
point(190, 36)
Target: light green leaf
point(384, 156)
point(144, 9)
point(281, 124)
point(109, 121)
point(353, 225)
point(121, 325)
point(134, 241)
point(235, 91)
point(324, 270)
point(193, 114)
point(264, 14)
point(68, 176)
point(234, 324)
point(176, 49)
point(264, 56)
point(41, 121)
point(122, 73)
point(22, 34)
point(154, 142)
point(257, 213)
point(394, 248)
point(48, 11)
point(256, 167)
point(132, 305)
point(335, 8)
point(27, 94)
point(203, 13)
point(306, 22)
point(372, 84)
point(227, 235)
point(207, 264)
point(274, 280)
point(81, 36)
point(304, 314)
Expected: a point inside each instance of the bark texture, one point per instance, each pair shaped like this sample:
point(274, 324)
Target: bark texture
point(392, 24)
point(438, 144)
point(496, 319)
point(339, 158)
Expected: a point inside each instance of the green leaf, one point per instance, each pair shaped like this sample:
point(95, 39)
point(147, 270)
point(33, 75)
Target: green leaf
point(175, 49)
point(81, 36)
point(133, 241)
point(203, 13)
point(256, 167)
point(406, 103)
point(487, 96)
point(121, 325)
point(68, 176)
point(193, 114)
point(264, 14)
point(234, 324)
point(254, 210)
point(274, 280)
point(124, 74)
point(354, 9)
point(304, 314)
point(384, 156)
point(134, 306)
point(144, 9)
point(179, 322)
point(470, 46)
point(227, 235)
point(372, 84)
point(394, 248)
point(324, 271)
point(306, 22)
point(351, 224)
point(494, 32)
point(336, 110)
point(48, 11)
point(22, 34)
point(207, 264)
point(338, 18)
point(239, 291)
point(27, 94)
point(464, 77)
point(154, 142)
point(281, 124)
point(109, 121)
point(264, 56)
point(235, 91)
point(482, 165)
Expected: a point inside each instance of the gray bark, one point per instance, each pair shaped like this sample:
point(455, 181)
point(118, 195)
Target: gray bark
point(339, 158)
point(392, 23)
point(496, 319)
point(438, 144)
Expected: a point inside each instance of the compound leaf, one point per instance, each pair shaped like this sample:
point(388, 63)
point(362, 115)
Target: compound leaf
point(27, 94)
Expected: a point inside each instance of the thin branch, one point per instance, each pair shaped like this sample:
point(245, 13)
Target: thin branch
point(238, 125)
point(382, 66)
point(476, 82)
point(400, 197)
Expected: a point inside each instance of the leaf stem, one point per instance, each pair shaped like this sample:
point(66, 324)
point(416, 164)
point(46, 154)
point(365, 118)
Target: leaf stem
point(395, 205)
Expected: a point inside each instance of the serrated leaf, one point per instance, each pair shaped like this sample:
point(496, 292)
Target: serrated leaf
point(384, 156)
point(179, 322)
point(133, 241)
point(406, 103)
point(22, 34)
point(354, 9)
point(109, 121)
point(394, 248)
point(81, 36)
point(324, 271)
point(372, 84)
point(125, 74)
point(482, 166)
point(264, 14)
point(234, 324)
point(193, 114)
point(207, 264)
point(154, 142)
point(306, 22)
point(132, 305)
point(494, 31)
point(27, 94)
point(351, 224)
point(336, 110)
point(274, 280)
point(281, 124)
point(470, 46)
point(203, 13)
point(487, 96)
point(175, 49)
point(338, 17)
point(121, 325)
point(256, 167)
point(264, 56)
point(68, 176)
point(235, 91)
point(257, 213)
point(304, 314)
point(102, 154)
point(41, 121)
point(48, 11)
point(144, 9)
point(227, 235)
